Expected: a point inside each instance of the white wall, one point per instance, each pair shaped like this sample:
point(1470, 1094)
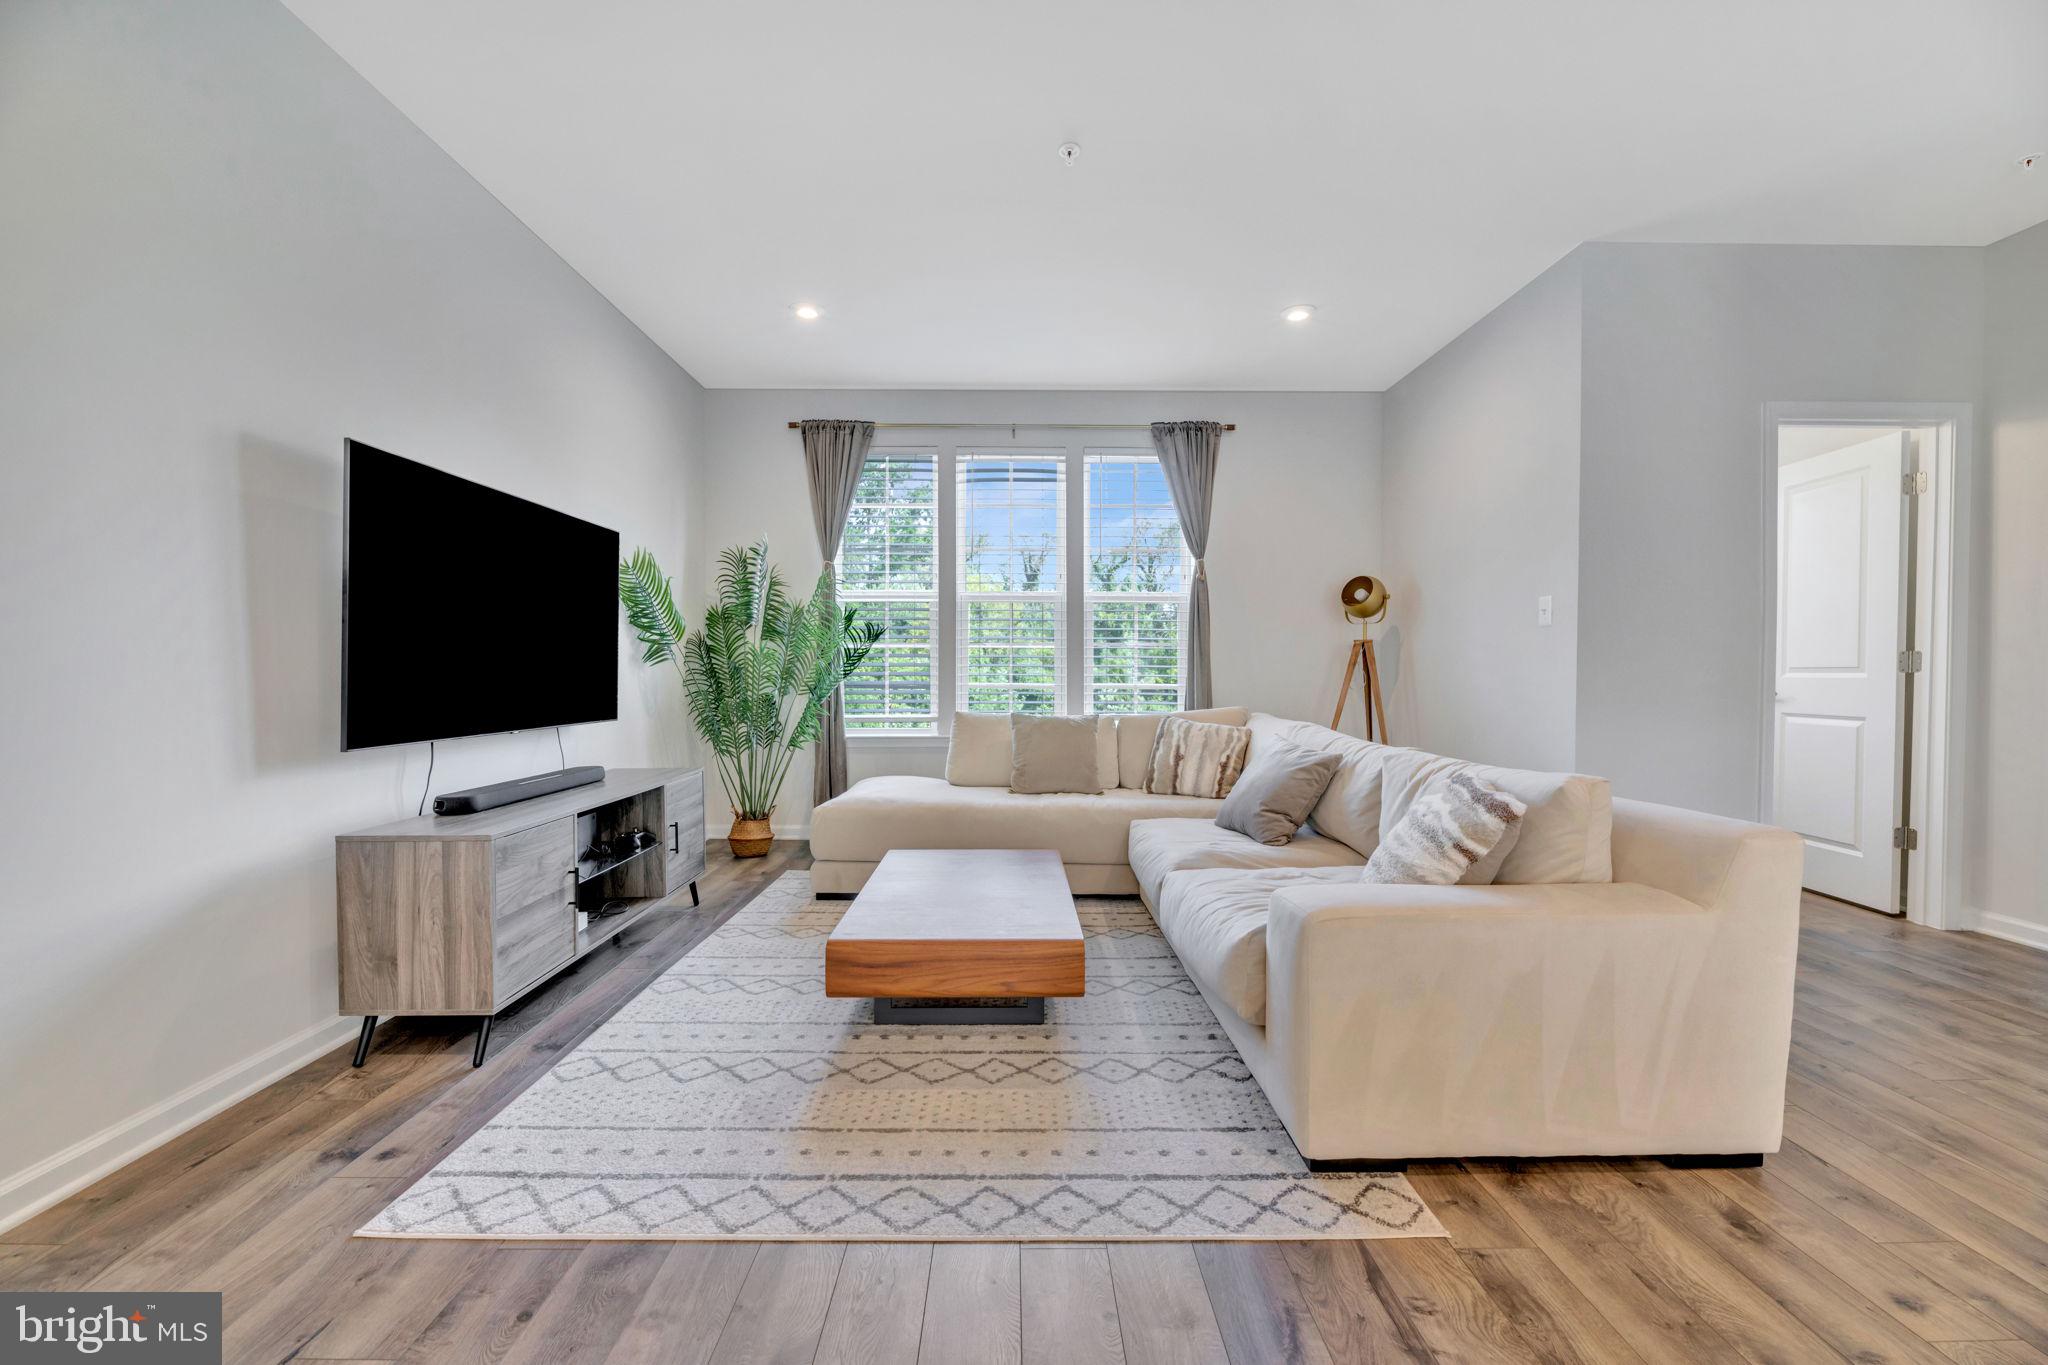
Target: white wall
point(2005, 883)
point(1481, 509)
point(220, 253)
point(1296, 513)
point(1683, 347)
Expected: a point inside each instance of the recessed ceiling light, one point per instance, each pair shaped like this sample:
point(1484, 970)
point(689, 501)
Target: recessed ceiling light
point(1301, 312)
point(809, 312)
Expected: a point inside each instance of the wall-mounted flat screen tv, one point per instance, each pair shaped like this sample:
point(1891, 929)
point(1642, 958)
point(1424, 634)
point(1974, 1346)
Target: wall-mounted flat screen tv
point(467, 611)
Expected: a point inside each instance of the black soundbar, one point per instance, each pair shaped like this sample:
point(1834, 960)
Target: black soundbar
point(518, 789)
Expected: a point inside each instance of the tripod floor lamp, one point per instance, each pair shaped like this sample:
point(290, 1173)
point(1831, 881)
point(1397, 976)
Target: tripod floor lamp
point(1365, 601)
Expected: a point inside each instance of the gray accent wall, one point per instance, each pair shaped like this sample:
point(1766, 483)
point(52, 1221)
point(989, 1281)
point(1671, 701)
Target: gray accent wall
point(1481, 509)
point(1652, 364)
point(1599, 438)
point(221, 252)
point(2003, 878)
point(1684, 345)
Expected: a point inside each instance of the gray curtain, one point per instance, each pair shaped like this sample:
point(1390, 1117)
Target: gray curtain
point(1187, 454)
point(833, 455)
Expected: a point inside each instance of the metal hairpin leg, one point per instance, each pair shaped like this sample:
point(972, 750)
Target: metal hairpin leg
point(483, 1040)
point(363, 1039)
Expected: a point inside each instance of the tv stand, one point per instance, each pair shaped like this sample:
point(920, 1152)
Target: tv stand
point(464, 914)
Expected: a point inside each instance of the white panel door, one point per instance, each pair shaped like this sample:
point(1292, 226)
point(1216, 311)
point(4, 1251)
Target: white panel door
point(1836, 722)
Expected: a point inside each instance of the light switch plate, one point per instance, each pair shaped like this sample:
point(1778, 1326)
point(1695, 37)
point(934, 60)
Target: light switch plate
point(1543, 612)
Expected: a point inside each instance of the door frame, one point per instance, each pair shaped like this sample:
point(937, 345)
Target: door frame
point(1933, 885)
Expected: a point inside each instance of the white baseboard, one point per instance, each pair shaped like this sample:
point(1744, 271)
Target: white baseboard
point(27, 1193)
point(2032, 933)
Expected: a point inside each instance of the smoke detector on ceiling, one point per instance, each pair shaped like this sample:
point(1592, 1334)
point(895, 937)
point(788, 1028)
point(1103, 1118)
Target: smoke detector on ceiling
point(1070, 152)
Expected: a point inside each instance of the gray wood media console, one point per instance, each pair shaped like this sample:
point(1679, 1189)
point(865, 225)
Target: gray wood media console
point(463, 914)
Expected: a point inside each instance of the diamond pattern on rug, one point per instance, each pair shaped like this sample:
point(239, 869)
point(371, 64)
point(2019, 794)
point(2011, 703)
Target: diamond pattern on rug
point(732, 1099)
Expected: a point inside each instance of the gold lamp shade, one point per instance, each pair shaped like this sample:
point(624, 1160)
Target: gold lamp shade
point(1364, 599)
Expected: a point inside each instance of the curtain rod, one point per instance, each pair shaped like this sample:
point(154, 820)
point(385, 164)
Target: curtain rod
point(1035, 426)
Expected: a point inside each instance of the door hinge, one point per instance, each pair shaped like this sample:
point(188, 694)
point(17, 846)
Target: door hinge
point(1906, 837)
point(1911, 661)
point(1914, 483)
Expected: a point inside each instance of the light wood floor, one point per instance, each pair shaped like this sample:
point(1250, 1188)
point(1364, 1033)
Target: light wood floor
point(1906, 1219)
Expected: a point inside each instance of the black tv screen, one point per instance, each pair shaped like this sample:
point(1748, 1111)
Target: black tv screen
point(466, 611)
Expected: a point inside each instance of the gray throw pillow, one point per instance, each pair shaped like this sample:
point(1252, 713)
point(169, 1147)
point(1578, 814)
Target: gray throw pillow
point(1280, 786)
point(1054, 754)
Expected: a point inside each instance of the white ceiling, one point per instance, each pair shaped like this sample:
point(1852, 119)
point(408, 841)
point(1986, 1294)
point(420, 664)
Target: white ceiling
point(1403, 166)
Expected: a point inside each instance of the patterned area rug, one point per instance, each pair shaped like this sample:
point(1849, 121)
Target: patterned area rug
point(732, 1099)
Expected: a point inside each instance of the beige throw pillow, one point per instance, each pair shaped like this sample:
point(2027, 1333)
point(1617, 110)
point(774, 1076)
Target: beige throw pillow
point(979, 753)
point(1449, 828)
point(1349, 810)
point(1194, 758)
point(1054, 754)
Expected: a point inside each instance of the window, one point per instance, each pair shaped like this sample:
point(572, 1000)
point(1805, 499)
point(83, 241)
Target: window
point(1138, 571)
point(1011, 626)
point(888, 566)
point(997, 592)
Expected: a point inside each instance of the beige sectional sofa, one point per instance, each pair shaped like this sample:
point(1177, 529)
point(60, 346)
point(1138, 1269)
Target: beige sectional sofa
point(1623, 987)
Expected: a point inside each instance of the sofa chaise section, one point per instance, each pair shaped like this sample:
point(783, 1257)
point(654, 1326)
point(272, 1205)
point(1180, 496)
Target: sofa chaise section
point(1091, 831)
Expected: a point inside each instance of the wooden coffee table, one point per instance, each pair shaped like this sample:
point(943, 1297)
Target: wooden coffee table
point(992, 929)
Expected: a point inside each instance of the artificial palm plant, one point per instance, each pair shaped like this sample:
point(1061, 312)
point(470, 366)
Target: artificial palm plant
point(756, 677)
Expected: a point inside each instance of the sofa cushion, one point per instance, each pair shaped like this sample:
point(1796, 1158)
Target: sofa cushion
point(1349, 809)
point(1108, 775)
point(1567, 830)
point(1215, 921)
point(978, 755)
point(881, 813)
point(1160, 847)
point(1055, 754)
point(1134, 736)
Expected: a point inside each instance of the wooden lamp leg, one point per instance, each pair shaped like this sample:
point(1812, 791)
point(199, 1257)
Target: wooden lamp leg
point(1365, 688)
point(1379, 705)
point(1344, 688)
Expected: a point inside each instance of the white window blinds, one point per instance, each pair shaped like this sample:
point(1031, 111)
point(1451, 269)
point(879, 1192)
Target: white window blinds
point(888, 567)
point(1010, 530)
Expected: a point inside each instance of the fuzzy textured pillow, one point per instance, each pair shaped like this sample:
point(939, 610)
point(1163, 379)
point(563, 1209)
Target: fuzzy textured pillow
point(1055, 754)
point(1280, 786)
point(1194, 758)
point(1567, 824)
point(1448, 828)
point(1135, 734)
